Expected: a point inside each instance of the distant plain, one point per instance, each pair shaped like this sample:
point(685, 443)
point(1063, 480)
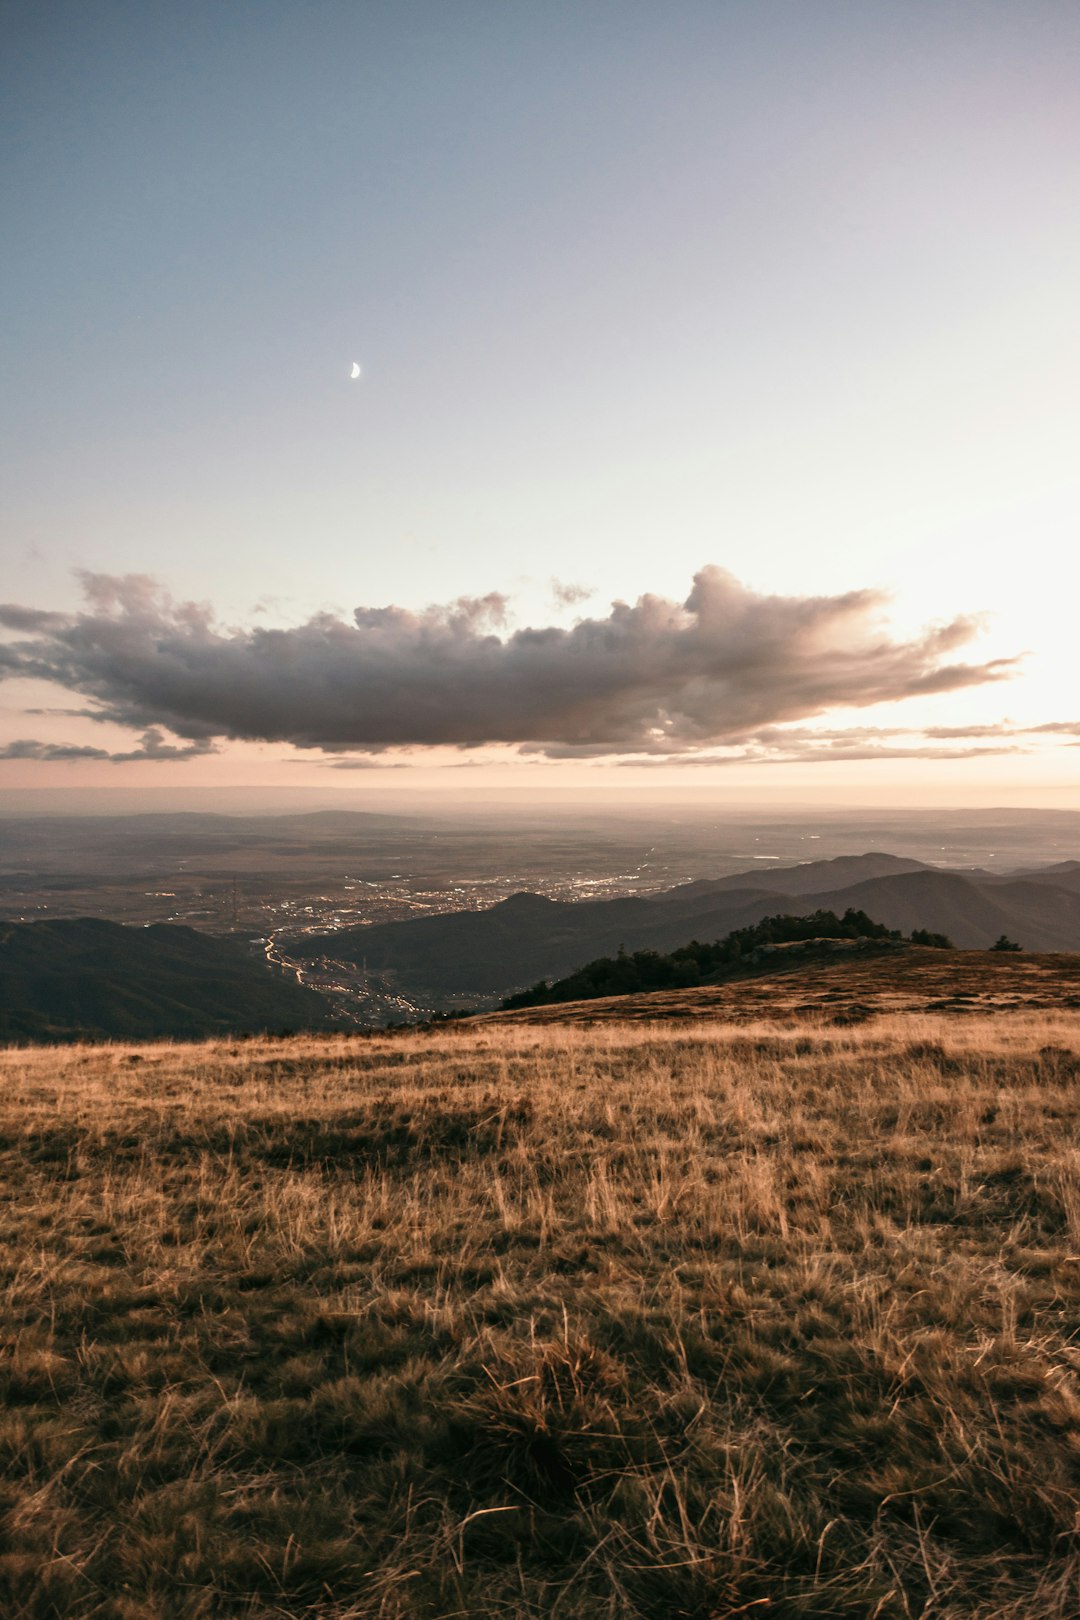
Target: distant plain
point(357, 866)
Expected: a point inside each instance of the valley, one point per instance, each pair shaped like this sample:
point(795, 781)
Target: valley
point(390, 920)
point(470, 960)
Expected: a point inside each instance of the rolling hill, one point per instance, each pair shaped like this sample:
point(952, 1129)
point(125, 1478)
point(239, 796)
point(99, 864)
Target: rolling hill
point(528, 937)
point(840, 984)
point(1041, 916)
point(84, 978)
point(814, 877)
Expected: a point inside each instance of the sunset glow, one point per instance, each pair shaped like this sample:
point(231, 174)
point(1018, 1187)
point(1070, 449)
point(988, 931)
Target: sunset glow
point(781, 296)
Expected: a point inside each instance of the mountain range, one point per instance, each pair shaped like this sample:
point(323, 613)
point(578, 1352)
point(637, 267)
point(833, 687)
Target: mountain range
point(528, 937)
point(87, 978)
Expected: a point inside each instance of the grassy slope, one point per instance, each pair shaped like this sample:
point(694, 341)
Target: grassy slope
point(849, 988)
point(620, 1321)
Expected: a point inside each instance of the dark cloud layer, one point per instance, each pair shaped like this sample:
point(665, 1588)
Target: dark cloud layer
point(654, 677)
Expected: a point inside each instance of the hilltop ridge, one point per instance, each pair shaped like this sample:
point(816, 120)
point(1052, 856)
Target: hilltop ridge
point(839, 982)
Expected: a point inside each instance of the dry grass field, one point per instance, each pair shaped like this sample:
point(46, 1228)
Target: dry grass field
point(524, 1319)
point(848, 990)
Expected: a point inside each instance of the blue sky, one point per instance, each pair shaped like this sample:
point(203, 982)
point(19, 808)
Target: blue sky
point(787, 289)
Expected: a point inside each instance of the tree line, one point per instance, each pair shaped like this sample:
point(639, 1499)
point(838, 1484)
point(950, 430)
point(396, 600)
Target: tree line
point(698, 963)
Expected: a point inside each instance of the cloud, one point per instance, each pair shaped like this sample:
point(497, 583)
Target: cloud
point(30, 748)
point(363, 762)
point(568, 595)
point(152, 745)
point(788, 745)
point(13, 617)
point(879, 742)
point(655, 676)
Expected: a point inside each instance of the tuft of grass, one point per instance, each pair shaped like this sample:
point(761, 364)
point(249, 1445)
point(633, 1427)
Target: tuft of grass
point(521, 1319)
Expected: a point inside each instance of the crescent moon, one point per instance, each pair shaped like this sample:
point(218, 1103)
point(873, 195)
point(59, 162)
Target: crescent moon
point(355, 372)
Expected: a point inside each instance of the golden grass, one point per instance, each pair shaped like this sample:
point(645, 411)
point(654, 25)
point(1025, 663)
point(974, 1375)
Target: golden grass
point(521, 1320)
point(850, 989)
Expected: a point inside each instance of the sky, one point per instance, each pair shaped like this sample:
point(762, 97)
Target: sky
point(717, 417)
